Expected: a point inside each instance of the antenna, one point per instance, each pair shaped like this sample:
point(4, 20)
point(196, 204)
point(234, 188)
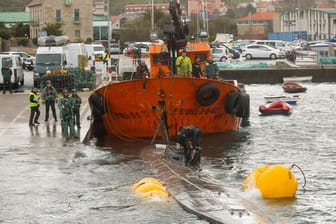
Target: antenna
point(153, 35)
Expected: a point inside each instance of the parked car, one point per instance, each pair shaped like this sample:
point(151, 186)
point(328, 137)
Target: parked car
point(220, 54)
point(27, 61)
point(262, 51)
point(115, 49)
point(223, 53)
point(235, 54)
point(143, 46)
point(278, 44)
point(15, 64)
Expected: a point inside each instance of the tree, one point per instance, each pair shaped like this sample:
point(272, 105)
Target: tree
point(222, 24)
point(21, 30)
point(140, 28)
point(53, 29)
point(5, 33)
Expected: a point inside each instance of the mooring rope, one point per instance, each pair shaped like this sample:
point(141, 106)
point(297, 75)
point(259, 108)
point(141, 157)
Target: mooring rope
point(304, 177)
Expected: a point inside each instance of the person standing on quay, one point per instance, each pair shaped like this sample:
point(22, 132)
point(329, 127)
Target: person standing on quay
point(66, 116)
point(7, 76)
point(34, 107)
point(76, 103)
point(65, 95)
point(49, 96)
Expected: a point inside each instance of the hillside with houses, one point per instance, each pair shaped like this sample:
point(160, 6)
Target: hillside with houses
point(245, 19)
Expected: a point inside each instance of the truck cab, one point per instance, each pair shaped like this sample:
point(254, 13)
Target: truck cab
point(48, 59)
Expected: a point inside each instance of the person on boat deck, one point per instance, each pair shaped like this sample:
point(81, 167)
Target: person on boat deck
point(211, 69)
point(183, 64)
point(190, 138)
point(142, 70)
point(196, 68)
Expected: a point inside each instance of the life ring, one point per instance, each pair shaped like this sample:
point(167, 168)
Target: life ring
point(232, 102)
point(244, 106)
point(97, 106)
point(207, 94)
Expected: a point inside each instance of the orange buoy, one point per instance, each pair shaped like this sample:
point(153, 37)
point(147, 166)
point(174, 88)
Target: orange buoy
point(275, 181)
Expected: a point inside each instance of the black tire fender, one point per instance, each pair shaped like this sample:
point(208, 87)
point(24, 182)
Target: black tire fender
point(244, 106)
point(232, 102)
point(207, 94)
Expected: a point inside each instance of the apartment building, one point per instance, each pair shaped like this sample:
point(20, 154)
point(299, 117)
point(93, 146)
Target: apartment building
point(142, 8)
point(319, 23)
point(75, 16)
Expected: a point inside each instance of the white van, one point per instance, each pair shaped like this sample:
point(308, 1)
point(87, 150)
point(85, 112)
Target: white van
point(49, 59)
point(91, 56)
point(14, 62)
point(77, 55)
point(98, 50)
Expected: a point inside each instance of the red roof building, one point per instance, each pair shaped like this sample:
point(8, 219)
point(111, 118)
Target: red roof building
point(258, 25)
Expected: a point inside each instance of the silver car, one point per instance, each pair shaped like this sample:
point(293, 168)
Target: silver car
point(262, 51)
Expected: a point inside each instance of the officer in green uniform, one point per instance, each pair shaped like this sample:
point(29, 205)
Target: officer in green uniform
point(211, 70)
point(76, 103)
point(66, 115)
point(7, 76)
point(65, 95)
point(49, 96)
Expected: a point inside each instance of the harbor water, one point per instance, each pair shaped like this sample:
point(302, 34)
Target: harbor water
point(68, 183)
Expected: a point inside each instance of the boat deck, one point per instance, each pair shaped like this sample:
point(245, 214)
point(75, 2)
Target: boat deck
point(206, 198)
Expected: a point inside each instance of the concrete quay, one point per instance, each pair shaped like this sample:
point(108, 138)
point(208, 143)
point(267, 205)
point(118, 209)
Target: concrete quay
point(14, 128)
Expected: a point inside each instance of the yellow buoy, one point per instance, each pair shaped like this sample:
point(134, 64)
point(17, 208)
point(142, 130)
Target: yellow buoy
point(156, 193)
point(150, 187)
point(275, 181)
point(145, 181)
point(250, 181)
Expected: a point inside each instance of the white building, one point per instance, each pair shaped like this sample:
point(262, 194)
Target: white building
point(320, 24)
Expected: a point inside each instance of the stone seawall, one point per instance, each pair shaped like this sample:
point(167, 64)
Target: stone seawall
point(272, 76)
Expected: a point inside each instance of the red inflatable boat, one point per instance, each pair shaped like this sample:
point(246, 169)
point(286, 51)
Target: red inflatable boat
point(292, 87)
point(277, 107)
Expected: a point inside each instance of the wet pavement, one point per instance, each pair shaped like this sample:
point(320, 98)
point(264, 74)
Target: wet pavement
point(14, 118)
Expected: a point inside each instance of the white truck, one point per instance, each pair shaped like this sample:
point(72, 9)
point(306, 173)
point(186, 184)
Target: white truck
point(49, 59)
point(58, 55)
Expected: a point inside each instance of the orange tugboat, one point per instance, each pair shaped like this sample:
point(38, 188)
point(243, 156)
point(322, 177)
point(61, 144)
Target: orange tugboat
point(161, 104)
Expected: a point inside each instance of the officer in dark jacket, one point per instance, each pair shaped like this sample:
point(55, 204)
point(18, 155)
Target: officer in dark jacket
point(211, 69)
point(190, 139)
point(7, 76)
point(196, 70)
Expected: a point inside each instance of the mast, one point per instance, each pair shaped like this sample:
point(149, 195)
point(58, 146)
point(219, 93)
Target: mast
point(109, 27)
point(153, 35)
